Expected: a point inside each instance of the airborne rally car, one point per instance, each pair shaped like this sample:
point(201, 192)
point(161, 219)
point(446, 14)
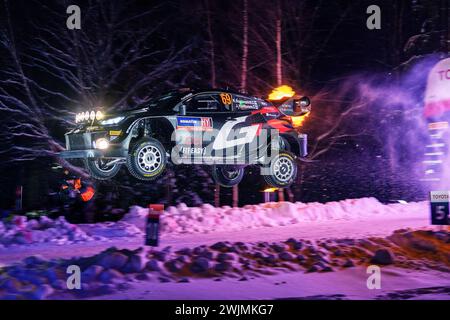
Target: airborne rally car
point(220, 128)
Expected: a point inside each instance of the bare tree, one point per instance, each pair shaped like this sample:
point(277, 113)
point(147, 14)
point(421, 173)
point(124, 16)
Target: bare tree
point(278, 36)
point(244, 68)
point(110, 62)
point(212, 55)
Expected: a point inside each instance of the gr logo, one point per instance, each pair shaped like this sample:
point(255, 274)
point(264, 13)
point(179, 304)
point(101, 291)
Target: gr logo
point(374, 20)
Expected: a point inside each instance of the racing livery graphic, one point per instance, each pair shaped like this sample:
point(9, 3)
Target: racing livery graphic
point(224, 129)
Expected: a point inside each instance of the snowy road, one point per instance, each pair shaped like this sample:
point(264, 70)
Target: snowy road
point(269, 223)
point(364, 226)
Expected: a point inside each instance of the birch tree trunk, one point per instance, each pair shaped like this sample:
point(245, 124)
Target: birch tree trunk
point(217, 195)
point(244, 66)
point(279, 73)
point(212, 66)
point(212, 62)
point(235, 196)
point(244, 70)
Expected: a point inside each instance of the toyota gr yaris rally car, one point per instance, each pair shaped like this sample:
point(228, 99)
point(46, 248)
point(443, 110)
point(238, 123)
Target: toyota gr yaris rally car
point(224, 129)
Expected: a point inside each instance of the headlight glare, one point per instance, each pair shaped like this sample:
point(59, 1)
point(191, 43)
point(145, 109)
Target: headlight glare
point(111, 121)
point(101, 144)
point(99, 116)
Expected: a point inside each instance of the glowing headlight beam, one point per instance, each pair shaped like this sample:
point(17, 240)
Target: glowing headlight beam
point(99, 115)
point(111, 121)
point(102, 144)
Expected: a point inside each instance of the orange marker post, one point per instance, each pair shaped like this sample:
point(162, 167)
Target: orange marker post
point(152, 226)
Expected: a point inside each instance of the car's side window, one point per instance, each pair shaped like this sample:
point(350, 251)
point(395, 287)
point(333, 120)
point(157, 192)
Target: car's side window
point(204, 103)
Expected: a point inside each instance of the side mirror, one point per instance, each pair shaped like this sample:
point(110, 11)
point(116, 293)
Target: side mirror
point(296, 107)
point(183, 109)
point(303, 105)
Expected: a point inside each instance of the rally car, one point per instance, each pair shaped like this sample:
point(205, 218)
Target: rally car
point(224, 129)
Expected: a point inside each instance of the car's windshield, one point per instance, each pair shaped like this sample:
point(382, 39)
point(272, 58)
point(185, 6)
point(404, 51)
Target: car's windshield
point(167, 100)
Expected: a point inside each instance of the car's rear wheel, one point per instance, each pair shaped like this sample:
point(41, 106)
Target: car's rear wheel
point(227, 176)
point(281, 172)
point(102, 168)
point(147, 159)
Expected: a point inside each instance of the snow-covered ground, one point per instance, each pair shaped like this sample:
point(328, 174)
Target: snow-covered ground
point(311, 225)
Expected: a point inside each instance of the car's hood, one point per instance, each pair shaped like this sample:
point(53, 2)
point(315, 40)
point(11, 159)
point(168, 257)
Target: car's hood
point(147, 111)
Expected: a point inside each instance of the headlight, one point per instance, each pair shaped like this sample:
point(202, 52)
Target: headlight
point(111, 121)
point(89, 116)
point(98, 116)
point(101, 144)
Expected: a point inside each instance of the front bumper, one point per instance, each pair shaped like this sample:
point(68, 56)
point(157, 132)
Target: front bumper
point(80, 145)
point(93, 154)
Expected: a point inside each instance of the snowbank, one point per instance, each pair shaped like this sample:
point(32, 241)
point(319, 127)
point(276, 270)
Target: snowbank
point(206, 218)
point(59, 231)
point(21, 231)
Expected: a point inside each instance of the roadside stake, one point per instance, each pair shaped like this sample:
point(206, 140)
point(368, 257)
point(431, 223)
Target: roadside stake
point(152, 226)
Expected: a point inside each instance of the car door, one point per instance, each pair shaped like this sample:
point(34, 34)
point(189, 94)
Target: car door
point(205, 115)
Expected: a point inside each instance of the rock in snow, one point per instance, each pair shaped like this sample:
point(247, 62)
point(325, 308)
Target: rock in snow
point(383, 257)
point(37, 278)
point(59, 231)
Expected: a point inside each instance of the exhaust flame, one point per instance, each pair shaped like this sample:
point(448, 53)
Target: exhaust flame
point(281, 92)
point(298, 121)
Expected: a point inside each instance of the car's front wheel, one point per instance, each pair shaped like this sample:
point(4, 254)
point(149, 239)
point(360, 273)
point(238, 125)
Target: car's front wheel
point(147, 159)
point(102, 168)
point(281, 172)
point(227, 176)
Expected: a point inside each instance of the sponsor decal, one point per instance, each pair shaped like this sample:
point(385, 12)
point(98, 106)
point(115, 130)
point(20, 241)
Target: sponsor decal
point(193, 150)
point(245, 104)
point(93, 128)
point(115, 132)
point(439, 196)
point(194, 123)
point(439, 203)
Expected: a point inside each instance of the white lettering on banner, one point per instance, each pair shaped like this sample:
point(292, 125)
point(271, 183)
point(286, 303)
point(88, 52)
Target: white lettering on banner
point(444, 74)
point(439, 196)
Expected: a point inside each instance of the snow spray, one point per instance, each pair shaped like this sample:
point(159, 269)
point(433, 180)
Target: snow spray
point(152, 226)
point(386, 112)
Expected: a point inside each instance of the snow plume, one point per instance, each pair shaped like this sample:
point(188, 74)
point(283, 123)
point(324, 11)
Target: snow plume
point(383, 113)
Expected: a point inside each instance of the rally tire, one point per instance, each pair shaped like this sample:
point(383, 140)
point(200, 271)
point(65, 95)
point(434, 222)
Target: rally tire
point(147, 159)
point(281, 172)
point(98, 172)
point(227, 176)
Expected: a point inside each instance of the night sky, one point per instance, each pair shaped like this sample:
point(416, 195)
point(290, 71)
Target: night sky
point(323, 43)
